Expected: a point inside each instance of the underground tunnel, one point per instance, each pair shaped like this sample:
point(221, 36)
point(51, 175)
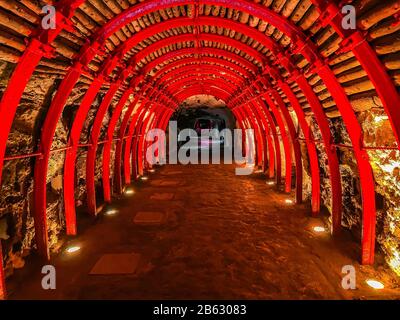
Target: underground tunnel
point(307, 95)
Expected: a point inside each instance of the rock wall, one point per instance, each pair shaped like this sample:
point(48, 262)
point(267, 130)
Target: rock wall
point(386, 167)
point(16, 221)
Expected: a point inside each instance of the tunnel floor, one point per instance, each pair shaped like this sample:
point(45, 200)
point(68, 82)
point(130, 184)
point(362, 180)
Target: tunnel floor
point(221, 236)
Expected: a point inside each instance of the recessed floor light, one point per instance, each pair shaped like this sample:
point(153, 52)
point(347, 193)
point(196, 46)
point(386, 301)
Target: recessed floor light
point(288, 201)
point(375, 284)
point(144, 178)
point(152, 170)
point(270, 183)
point(111, 212)
point(73, 249)
point(129, 192)
point(319, 229)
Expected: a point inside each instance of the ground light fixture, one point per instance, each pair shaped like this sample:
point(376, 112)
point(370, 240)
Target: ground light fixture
point(144, 178)
point(129, 192)
point(270, 183)
point(73, 249)
point(111, 212)
point(375, 284)
point(288, 201)
point(319, 229)
point(152, 170)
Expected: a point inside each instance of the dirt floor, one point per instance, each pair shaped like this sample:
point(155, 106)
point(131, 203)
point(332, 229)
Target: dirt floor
point(221, 236)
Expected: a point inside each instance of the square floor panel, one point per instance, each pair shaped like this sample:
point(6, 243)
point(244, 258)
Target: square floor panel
point(121, 263)
point(162, 196)
point(166, 183)
point(149, 218)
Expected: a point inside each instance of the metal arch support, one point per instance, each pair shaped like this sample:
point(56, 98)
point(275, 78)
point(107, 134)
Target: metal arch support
point(158, 118)
point(228, 85)
point(257, 125)
point(163, 126)
point(184, 62)
point(205, 89)
point(141, 147)
point(108, 144)
point(285, 140)
point(269, 151)
point(190, 70)
point(252, 124)
point(70, 156)
point(39, 47)
point(295, 144)
point(241, 121)
point(120, 144)
point(222, 84)
point(136, 152)
point(312, 151)
point(271, 122)
point(205, 37)
point(355, 41)
point(136, 120)
point(92, 150)
point(365, 170)
point(40, 169)
point(333, 161)
point(188, 52)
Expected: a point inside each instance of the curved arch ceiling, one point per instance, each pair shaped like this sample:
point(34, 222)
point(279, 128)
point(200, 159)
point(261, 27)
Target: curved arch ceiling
point(258, 73)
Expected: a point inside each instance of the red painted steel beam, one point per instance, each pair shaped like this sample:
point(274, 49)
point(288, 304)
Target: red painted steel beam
point(312, 152)
point(355, 40)
point(274, 132)
point(285, 140)
point(128, 143)
point(221, 83)
point(256, 126)
point(141, 148)
point(185, 62)
point(38, 47)
point(333, 161)
point(158, 117)
point(176, 74)
point(136, 152)
point(269, 151)
point(204, 37)
point(241, 121)
point(295, 144)
point(188, 77)
point(92, 150)
point(188, 53)
point(119, 150)
point(206, 88)
point(364, 167)
point(109, 142)
point(70, 157)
